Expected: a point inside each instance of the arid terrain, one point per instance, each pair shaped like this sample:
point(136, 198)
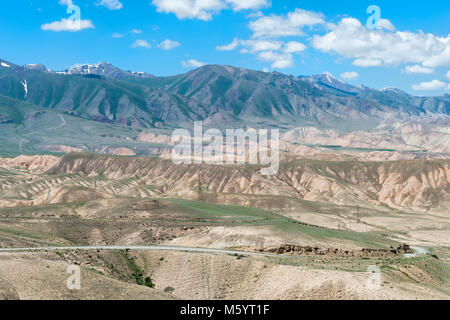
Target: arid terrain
point(358, 208)
point(319, 228)
point(202, 151)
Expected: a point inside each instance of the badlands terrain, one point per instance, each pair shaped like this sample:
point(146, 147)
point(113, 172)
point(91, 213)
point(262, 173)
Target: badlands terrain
point(317, 227)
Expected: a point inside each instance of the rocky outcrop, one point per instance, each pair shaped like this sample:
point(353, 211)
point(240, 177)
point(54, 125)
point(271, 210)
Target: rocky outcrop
point(335, 252)
point(33, 164)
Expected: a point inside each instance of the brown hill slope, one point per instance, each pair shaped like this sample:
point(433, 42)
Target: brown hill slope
point(413, 185)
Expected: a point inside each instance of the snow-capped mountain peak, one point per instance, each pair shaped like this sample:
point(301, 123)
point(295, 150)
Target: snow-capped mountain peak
point(36, 66)
point(105, 69)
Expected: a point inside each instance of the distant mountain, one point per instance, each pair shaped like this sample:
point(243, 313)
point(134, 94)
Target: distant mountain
point(104, 69)
point(39, 67)
point(219, 95)
point(319, 100)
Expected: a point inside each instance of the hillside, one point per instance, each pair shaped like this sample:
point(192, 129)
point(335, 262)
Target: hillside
point(215, 94)
point(406, 185)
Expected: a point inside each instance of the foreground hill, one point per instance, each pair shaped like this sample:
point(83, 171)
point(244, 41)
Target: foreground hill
point(318, 228)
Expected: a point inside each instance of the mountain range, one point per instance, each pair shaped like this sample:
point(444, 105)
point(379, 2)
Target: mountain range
point(218, 95)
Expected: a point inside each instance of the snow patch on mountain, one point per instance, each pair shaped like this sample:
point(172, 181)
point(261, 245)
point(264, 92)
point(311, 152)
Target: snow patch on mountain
point(25, 87)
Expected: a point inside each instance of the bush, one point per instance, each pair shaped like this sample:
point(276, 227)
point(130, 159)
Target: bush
point(169, 290)
point(149, 282)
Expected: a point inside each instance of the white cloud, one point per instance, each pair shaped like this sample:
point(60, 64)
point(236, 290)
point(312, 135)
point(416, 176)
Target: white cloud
point(350, 39)
point(428, 86)
point(238, 5)
point(448, 75)
point(136, 31)
point(367, 63)
point(279, 54)
point(117, 35)
point(141, 44)
point(205, 9)
point(267, 30)
point(294, 47)
point(279, 60)
point(192, 64)
point(442, 56)
point(254, 46)
point(110, 4)
point(417, 69)
point(251, 46)
point(254, 15)
point(282, 26)
point(190, 9)
point(386, 24)
point(168, 44)
point(67, 25)
point(229, 47)
point(352, 75)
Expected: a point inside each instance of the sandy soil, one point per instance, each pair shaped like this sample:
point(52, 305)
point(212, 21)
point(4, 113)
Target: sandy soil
point(42, 276)
point(204, 276)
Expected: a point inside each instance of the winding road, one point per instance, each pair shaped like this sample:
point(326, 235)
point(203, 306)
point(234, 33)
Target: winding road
point(140, 248)
point(417, 251)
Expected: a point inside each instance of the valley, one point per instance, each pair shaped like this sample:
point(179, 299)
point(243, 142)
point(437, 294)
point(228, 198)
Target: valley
point(87, 179)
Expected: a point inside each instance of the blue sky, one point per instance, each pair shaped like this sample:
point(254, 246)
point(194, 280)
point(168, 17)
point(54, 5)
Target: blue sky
point(410, 50)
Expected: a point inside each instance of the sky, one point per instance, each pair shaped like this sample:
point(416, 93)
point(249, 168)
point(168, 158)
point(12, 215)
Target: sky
point(402, 44)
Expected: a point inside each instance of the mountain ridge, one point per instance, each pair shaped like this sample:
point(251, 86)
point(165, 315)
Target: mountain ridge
point(216, 95)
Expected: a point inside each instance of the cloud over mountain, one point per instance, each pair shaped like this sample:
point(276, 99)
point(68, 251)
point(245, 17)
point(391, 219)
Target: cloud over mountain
point(430, 85)
point(350, 39)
